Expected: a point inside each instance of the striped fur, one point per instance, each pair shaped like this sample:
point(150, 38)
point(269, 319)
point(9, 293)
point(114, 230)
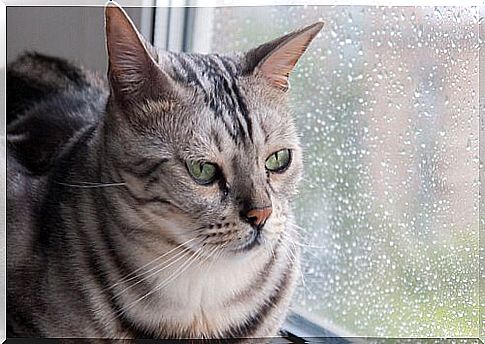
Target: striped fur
point(108, 234)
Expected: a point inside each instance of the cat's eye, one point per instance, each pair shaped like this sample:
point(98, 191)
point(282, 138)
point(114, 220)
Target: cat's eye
point(278, 161)
point(202, 172)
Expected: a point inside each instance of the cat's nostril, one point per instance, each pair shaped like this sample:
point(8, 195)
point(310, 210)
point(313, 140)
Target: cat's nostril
point(257, 217)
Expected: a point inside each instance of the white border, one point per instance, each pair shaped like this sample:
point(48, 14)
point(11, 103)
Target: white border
point(3, 174)
point(198, 22)
point(224, 3)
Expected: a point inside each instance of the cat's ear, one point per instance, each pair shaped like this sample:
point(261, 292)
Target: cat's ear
point(132, 71)
point(277, 58)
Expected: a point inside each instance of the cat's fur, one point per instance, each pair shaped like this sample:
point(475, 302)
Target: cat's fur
point(108, 234)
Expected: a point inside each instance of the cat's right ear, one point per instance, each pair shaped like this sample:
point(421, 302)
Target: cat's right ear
point(276, 59)
point(132, 72)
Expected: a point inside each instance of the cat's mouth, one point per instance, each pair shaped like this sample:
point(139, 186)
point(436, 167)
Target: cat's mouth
point(253, 241)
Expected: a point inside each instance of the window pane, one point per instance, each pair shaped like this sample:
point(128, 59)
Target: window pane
point(386, 100)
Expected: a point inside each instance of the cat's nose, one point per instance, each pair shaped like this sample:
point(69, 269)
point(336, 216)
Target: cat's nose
point(258, 216)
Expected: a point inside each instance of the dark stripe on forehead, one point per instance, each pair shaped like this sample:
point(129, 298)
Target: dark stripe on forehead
point(244, 110)
point(229, 64)
point(215, 76)
point(233, 105)
point(222, 96)
point(235, 92)
point(193, 78)
point(176, 71)
point(212, 70)
point(235, 102)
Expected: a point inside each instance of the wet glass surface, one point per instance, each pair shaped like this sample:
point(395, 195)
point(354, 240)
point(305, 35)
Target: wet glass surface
point(386, 100)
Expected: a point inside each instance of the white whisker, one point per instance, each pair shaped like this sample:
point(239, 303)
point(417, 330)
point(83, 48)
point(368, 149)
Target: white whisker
point(181, 269)
point(292, 257)
point(159, 268)
point(89, 185)
point(134, 273)
point(299, 242)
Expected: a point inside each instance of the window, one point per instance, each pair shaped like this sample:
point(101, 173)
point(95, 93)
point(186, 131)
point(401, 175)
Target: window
point(386, 100)
point(387, 104)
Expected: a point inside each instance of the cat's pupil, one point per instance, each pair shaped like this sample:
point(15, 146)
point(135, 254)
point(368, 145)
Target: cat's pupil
point(202, 172)
point(278, 161)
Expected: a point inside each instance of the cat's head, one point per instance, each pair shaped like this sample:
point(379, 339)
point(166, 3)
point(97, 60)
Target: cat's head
point(205, 143)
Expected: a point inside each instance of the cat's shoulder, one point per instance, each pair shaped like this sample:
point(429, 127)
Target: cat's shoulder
point(49, 100)
point(32, 77)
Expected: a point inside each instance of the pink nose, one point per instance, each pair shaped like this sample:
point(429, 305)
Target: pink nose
point(259, 216)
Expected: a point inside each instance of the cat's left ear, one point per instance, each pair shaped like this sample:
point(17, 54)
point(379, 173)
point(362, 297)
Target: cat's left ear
point(132, 71)
point(277, 58)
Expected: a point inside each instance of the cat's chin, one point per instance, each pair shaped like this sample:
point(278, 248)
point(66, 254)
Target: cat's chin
point(252, 247)
point(245, 254)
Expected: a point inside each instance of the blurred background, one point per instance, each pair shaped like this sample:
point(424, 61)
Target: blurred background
point(72, 32)
point(387, 101)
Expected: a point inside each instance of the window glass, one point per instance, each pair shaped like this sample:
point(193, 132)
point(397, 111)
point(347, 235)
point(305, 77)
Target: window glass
point(386, 100)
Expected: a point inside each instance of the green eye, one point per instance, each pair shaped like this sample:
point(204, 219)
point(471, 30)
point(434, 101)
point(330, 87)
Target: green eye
point(278, 161)
point(202, 172)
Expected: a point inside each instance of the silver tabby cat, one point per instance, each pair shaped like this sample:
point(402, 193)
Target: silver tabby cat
point(158, 204)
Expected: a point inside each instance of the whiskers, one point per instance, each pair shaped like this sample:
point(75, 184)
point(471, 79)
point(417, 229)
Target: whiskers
point(156, 269)
point(182, 259)
point(298, 240)
point(294, 238)
point(268, 244)
point(88, 185)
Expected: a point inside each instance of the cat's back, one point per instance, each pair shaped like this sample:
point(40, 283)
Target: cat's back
point(34, 78)
point(49, 100)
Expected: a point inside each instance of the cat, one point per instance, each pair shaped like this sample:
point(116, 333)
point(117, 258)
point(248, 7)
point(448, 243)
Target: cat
point(157, 203)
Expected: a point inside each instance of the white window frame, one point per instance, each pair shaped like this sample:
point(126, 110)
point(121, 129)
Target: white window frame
point(183, 25)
